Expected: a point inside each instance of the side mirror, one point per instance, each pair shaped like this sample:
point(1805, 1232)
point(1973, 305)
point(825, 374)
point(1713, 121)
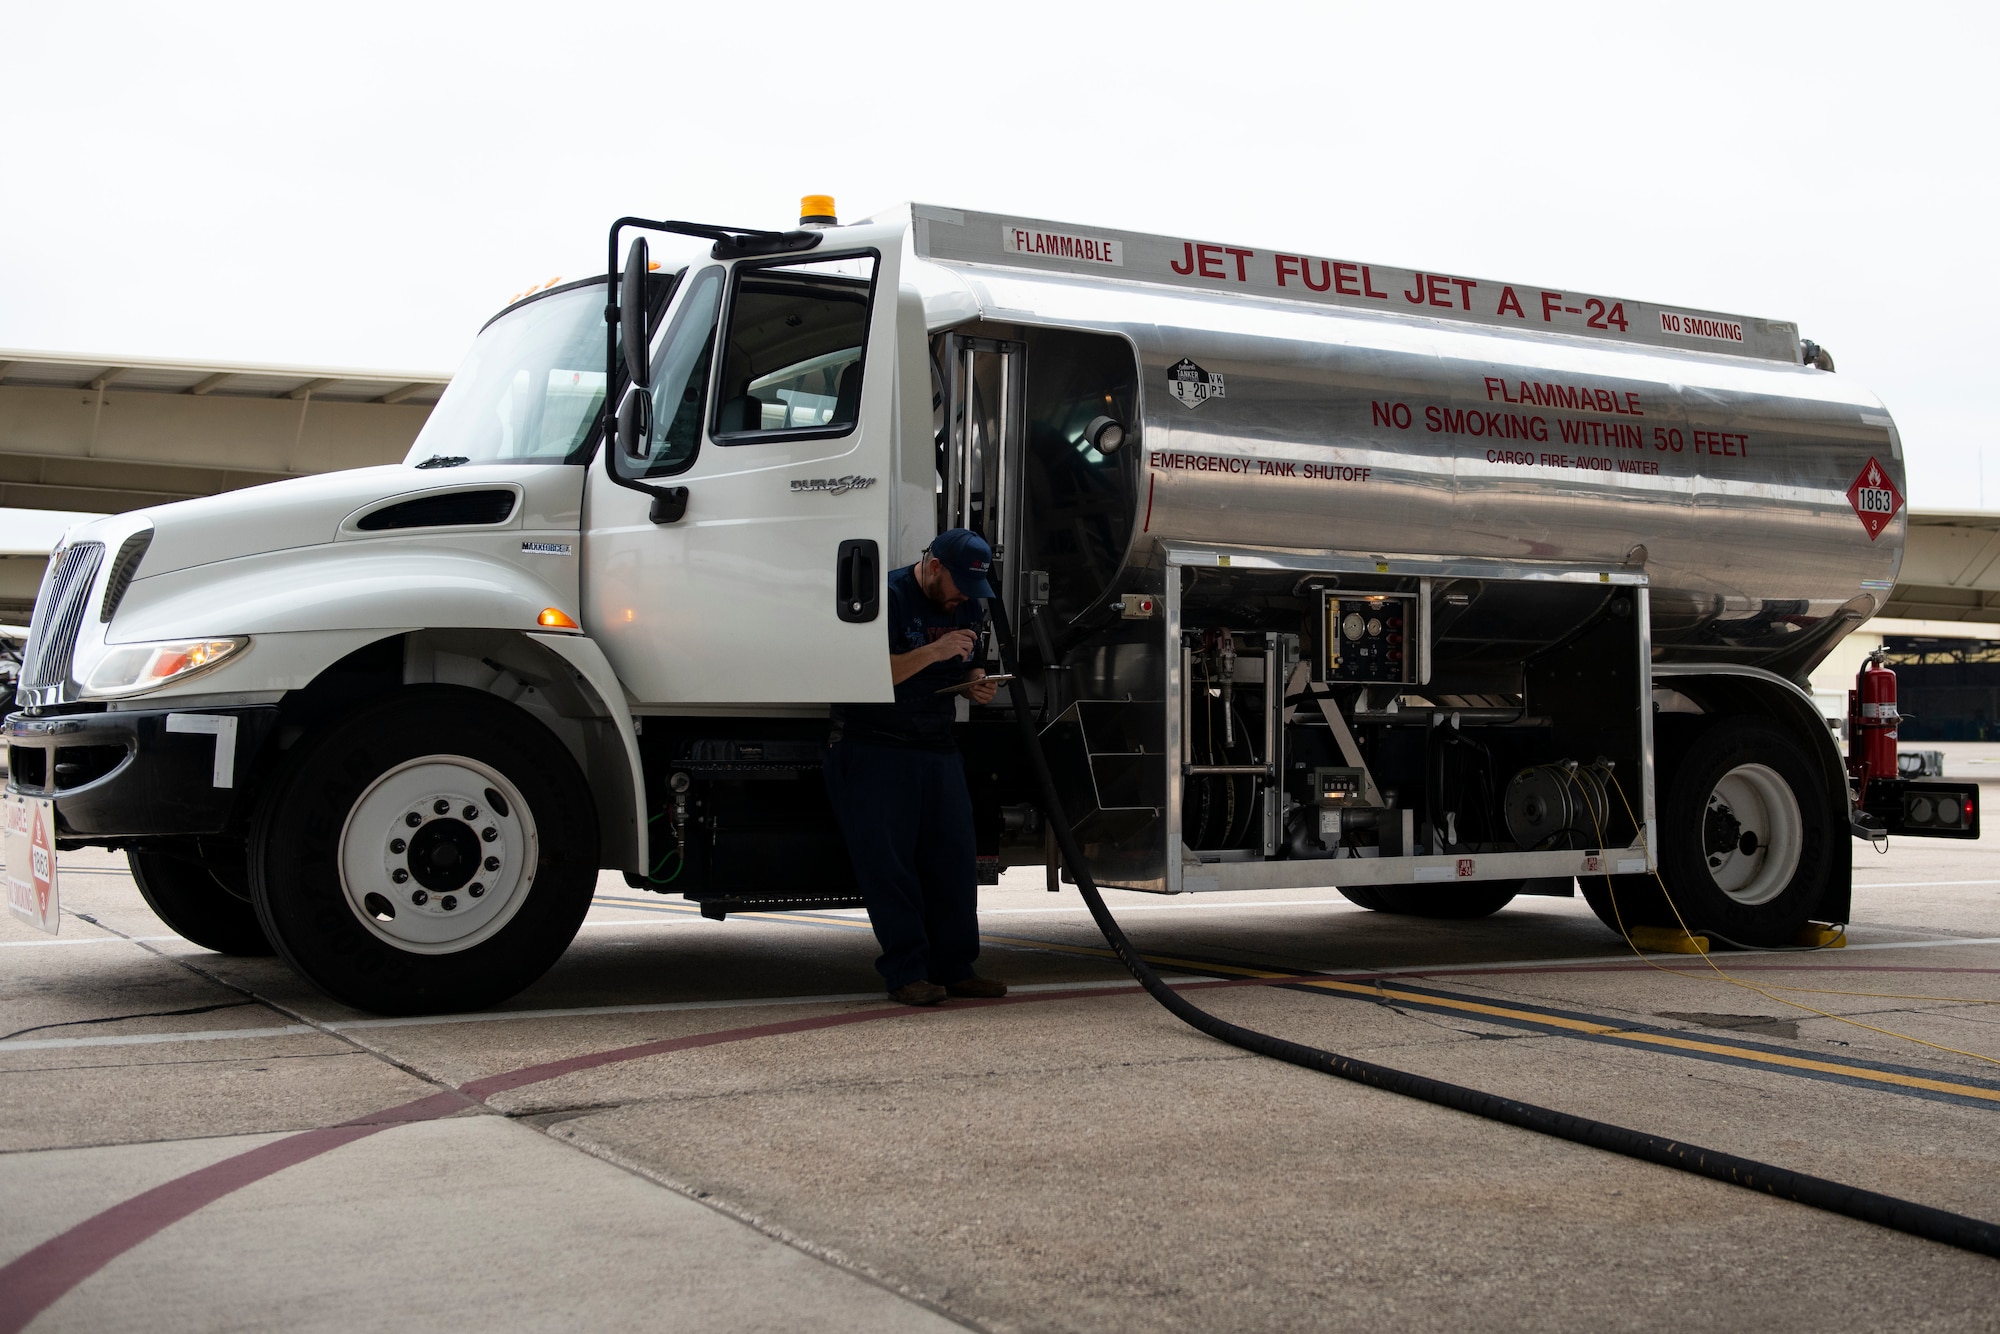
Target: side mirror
point(633, 334)
point(635, 425)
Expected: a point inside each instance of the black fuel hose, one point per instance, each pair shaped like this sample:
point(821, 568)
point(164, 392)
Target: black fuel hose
point(1919, 1220)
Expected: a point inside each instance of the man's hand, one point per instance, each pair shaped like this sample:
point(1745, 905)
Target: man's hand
point(984, 692)
point(952, 646)
point(955, 646)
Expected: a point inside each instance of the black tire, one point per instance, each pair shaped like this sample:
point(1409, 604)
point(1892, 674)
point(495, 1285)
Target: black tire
point(1481, 898)
point(1622, 902)
point(357, 802)
point(199, 900)
point(1753, 892)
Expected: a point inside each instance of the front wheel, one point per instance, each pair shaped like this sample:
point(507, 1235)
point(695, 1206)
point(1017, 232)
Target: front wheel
point(201, 898)
point(1746, 842)
point(434, 851)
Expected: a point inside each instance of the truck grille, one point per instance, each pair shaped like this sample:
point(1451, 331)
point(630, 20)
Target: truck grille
point(59, 613)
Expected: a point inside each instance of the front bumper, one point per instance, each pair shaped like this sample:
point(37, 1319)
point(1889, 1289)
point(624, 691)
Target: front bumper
point(128, 774)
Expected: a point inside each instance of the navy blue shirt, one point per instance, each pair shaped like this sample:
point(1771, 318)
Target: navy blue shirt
point(920, 717)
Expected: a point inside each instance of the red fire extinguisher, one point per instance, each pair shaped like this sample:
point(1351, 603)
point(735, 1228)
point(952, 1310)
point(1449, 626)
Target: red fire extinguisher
point(1872, 720)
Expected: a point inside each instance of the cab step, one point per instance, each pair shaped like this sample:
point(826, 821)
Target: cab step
point(718, 909)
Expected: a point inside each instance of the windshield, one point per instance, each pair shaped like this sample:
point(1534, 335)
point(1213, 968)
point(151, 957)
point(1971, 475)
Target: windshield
point(531, 388)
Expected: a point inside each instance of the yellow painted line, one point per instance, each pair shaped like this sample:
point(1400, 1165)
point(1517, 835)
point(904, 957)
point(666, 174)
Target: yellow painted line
point(1582, 1026)
point(1663, 1040)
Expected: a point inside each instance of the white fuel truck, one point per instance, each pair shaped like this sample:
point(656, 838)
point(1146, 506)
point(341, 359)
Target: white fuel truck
point(1433, 589)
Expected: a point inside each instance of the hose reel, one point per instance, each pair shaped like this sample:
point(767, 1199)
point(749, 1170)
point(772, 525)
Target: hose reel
point(1565, 803)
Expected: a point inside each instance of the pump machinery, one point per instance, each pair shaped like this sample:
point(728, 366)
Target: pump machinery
point(1436, 590)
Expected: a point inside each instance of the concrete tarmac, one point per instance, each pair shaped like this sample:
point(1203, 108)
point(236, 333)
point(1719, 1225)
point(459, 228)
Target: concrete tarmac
point(692, 1124)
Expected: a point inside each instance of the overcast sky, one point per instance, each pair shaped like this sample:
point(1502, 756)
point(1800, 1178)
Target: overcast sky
point(362, 184)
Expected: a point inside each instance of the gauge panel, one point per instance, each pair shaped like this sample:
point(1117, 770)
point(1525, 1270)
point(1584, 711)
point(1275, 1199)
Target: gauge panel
point(1369, 638)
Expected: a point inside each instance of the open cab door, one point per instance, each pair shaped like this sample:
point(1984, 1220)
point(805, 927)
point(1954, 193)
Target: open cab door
point(734, 540)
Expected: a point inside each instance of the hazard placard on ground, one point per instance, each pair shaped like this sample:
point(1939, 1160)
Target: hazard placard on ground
point(1875, 498)
point(30, 849)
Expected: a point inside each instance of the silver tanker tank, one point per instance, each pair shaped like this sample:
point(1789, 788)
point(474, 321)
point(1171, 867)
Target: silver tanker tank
point(1296, 403)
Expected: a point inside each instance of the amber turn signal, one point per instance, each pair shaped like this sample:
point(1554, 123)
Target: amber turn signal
point(556, 620)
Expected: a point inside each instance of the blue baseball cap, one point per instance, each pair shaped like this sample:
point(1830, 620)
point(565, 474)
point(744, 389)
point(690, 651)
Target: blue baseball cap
point(966, 555)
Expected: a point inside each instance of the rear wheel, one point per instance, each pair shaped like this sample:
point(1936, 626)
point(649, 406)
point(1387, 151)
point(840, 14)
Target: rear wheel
point(1746, 842)
point(200, 894)
point(1481, 898)
point(434, 851)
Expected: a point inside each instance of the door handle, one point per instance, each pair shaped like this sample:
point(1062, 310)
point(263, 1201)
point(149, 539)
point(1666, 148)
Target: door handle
point(857, 580)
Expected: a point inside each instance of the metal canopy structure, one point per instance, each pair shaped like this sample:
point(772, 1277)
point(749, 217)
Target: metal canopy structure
point(65, 370)
point(82, 432)
point(1951, 568)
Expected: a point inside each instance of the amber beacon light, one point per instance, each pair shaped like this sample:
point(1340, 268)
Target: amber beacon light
point(817, 211)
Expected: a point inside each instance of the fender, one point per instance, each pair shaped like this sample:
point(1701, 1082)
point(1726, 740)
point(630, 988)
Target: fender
point(1731, 688)
point(563, 681)
point(306, 608)
point(583, 654)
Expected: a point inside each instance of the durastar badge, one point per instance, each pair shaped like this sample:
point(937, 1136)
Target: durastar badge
point(833, 486)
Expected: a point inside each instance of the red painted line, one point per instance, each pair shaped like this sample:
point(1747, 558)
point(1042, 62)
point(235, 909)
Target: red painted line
point(33, 1282)
point(1147, 527)
point(483, 1089)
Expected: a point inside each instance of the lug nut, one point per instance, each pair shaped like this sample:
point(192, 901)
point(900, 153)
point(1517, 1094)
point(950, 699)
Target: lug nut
point(475, 889)
point(441, 806)
point(470, 813)
point(448, 902)
point(420, 897)
point(489, 833)
point(399, 875)
point(492, 863)
point(397, 845)
point(413, 819)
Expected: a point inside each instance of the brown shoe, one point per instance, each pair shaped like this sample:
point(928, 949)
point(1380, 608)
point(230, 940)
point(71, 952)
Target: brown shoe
point(918, 993)
point(976, 988)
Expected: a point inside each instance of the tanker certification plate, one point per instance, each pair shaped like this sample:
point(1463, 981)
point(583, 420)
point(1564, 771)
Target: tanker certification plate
point(30, 849)
point(1192, 385)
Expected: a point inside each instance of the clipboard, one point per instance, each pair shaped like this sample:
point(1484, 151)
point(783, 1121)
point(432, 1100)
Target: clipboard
point(997, 678)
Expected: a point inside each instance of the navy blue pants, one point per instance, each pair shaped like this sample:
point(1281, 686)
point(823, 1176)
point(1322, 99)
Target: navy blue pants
point(907, 819)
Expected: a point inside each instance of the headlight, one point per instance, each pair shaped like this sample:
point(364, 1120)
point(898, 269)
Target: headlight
point(130, 669)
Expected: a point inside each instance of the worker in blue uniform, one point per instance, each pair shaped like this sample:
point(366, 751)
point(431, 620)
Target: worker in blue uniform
point(898, 788)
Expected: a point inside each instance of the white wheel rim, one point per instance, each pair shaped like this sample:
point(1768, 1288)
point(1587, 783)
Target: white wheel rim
point(1752, 834)
point(438, 906)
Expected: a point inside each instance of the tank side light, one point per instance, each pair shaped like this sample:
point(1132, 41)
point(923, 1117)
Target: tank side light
point(1106, 435)
point(556, 620)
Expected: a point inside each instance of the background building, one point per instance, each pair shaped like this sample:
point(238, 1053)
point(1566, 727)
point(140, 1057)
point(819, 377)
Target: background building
point(97, 435)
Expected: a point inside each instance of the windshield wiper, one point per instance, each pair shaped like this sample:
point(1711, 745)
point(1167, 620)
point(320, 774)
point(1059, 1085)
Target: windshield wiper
point(444, 461)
